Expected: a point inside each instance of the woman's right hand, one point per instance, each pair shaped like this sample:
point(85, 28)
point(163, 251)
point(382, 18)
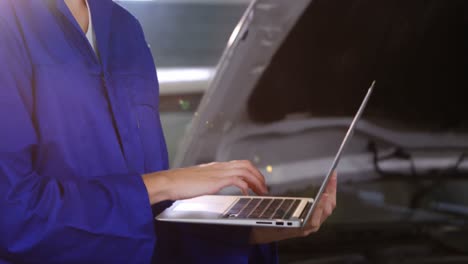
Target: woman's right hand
point(204, 179)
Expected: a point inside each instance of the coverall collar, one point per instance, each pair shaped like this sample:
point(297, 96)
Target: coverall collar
point(101, 11)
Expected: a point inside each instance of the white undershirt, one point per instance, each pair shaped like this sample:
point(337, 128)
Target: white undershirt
point(90, 34)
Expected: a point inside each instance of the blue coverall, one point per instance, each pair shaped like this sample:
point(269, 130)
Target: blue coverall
point(77, 131)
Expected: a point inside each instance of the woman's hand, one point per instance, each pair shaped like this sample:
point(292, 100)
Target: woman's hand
point(204, 179)
point(327, 203)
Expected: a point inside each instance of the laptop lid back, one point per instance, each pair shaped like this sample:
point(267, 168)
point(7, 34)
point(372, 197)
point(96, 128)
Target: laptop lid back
point(336, 160)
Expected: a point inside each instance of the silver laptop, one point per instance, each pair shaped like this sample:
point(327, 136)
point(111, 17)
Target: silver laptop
point(255, 210)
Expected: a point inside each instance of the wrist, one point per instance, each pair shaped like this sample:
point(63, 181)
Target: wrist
point(157, 186)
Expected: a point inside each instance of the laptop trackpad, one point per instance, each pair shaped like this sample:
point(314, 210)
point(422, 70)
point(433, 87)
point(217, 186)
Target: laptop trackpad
point(210, 204)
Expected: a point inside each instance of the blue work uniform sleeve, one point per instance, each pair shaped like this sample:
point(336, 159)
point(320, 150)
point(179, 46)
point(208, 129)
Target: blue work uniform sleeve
point(45, 218)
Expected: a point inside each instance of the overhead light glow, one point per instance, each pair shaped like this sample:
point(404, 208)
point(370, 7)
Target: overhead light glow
point(176, 75)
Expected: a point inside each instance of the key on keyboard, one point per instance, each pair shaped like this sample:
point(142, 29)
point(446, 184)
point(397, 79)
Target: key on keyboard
point(263, 208)
point(260, 208)
point(249, 208)
point(235, 210)
point(279, 214)
point(271, 209)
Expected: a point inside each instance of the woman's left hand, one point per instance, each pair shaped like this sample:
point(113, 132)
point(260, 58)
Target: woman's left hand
point(327, 203)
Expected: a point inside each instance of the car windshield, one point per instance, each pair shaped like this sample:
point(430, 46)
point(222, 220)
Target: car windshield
point(186, 34)
point(187, 38)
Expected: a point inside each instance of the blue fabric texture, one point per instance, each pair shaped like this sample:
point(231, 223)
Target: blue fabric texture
point(77, 131)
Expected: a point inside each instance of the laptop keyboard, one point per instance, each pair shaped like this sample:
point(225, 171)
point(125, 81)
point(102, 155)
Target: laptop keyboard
point(263, 208)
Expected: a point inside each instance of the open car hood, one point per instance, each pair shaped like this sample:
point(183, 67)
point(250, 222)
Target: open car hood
point(294, 72)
